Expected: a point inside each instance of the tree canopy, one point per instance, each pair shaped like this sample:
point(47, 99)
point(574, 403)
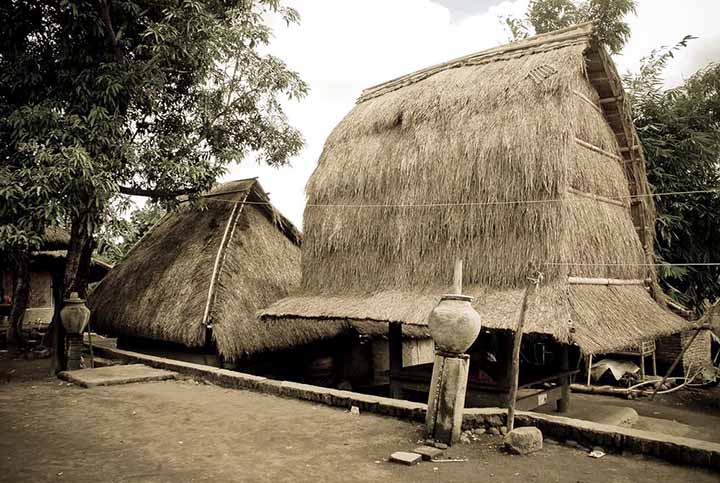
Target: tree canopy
point(544, 16)
point(144, 97)
point(680, 132)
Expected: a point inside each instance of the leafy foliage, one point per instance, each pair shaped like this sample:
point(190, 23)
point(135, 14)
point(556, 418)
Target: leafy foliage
point(120, 233)
point(545, 16)
point(680, 132)
point(159, 96)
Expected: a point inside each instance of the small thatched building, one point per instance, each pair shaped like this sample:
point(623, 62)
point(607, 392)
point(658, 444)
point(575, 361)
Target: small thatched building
point(47, 268)
point(515, 159)
point(199, 276)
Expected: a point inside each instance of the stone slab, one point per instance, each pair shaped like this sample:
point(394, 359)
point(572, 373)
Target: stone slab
point(112, 375)
point(428, 452)
point(405, 458)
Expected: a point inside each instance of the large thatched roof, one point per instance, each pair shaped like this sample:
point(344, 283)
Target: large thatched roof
point(206, 271)
point(427, 168)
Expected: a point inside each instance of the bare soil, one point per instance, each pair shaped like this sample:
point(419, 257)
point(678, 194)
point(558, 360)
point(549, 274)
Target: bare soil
point(189, 431)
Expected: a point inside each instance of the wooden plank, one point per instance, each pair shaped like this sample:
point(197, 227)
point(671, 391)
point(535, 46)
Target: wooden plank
point(554, 377)
point(395, 354)
point(541, 398)
point(604, 281)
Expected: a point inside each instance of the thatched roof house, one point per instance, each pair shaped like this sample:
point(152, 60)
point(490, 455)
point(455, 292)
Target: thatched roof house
point(200, 275)
point(518, 158)
point(47, 267)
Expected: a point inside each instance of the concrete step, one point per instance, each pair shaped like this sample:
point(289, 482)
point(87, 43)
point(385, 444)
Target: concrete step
point(113, 375)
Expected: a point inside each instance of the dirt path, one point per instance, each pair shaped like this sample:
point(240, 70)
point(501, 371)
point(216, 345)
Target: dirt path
point(184, 431)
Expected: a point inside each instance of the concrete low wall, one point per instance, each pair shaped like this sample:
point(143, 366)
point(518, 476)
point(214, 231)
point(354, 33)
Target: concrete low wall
point(611, 438)
point(237, 380)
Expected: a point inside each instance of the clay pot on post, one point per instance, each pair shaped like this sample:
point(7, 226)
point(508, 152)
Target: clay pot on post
point(74, 316)
point(454, 324)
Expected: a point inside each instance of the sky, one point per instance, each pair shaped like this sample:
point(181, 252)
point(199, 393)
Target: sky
point(341, 47)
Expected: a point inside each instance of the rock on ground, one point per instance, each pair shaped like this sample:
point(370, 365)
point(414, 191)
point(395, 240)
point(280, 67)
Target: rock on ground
point(524, 440)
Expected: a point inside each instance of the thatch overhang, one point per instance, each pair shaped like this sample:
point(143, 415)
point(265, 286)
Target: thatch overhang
point(203, 272)
point(52, 253)
point(429, 167)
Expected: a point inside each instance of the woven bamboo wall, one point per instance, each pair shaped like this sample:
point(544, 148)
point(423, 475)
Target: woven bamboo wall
point(698, 354)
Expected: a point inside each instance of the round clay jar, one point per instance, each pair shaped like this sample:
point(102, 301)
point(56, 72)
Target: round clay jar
point(454, 324)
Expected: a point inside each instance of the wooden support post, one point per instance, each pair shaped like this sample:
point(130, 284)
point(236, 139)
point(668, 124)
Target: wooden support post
point(446, 401)
point(589, 369)
point(563, 404)
point(654, 364)
point(642, 366)
point(395, 352)
point(458, 277)
point(503, 355)
point(515, 367)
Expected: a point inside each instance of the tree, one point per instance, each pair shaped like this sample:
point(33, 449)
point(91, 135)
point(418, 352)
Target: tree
point(146, 97)
point(119, 234)
point(680, 132)
point(545, 16)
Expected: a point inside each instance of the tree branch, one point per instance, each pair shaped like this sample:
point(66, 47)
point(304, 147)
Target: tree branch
point(154, 193)
point(105, 14)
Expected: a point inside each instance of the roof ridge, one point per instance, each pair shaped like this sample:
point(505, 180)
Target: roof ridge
point(551, 40)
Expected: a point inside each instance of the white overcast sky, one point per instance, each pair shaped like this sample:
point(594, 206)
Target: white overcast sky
point(343, 46)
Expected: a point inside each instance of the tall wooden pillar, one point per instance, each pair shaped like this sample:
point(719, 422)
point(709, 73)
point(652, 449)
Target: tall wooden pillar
point(396, 362)
point(503, 355)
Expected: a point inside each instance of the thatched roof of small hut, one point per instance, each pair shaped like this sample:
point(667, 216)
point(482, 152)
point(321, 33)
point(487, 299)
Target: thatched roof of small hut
point(53, 251)
point(206, 271)
point(431, 166)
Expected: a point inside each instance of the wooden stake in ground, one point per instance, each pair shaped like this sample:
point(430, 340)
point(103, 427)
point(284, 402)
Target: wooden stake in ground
point(515, 368)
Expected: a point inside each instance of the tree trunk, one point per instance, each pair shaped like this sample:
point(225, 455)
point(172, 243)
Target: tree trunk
point(75, 279)
point(20, 301)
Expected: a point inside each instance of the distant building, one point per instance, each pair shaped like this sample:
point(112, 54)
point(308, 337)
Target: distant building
point(47, 266)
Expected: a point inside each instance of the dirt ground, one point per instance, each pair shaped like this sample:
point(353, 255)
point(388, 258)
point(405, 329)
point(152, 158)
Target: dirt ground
point(189, 431)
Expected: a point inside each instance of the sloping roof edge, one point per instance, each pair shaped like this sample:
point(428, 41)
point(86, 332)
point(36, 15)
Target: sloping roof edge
point(596, 318)
point(539, 43)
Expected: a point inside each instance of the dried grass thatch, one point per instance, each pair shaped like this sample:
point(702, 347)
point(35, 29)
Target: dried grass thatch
point(450, 148)
point(201, 271)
